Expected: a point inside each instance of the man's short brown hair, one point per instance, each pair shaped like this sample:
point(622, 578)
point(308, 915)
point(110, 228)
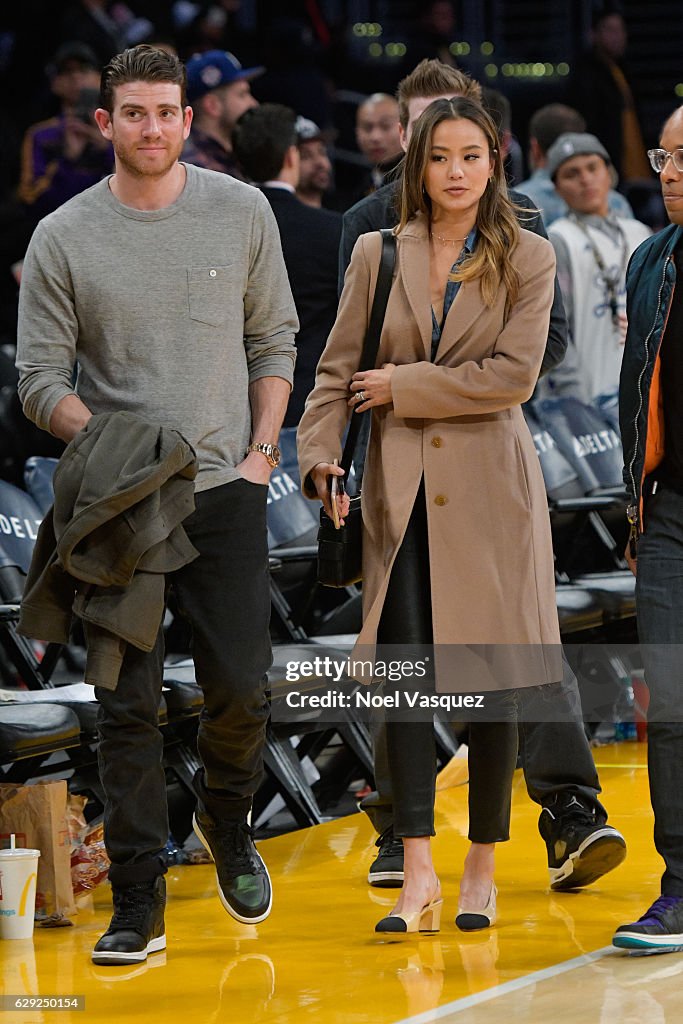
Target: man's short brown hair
point(141, 64)
point(553, 120)
point(434, 78)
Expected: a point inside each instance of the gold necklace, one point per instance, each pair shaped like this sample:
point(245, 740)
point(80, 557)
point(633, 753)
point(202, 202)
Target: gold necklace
point(447, 241)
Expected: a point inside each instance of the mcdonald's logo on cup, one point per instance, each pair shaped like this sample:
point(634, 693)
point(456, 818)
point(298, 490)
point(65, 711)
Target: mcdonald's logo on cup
point(18, 877)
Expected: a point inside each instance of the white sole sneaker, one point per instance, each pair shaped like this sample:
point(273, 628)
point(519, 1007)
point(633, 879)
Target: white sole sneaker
point(137, 957)
point(226, 906)
point(636, 940)
point(600, 852)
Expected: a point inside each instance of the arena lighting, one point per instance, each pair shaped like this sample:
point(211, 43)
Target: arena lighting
point(679, 89)
point(460, 49)
point(367, 28)
point(375, 49)
point(487, 49)
point(395, 49)
point(491, 70)
point(539, 69)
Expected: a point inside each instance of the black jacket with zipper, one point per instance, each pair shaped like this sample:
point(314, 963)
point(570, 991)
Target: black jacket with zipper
point(650, 283)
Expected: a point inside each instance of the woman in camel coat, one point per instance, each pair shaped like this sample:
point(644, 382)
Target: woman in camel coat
point(456, 547)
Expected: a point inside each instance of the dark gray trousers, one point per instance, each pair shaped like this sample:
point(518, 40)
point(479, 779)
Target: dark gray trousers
point(225, 596)
point(659, 601)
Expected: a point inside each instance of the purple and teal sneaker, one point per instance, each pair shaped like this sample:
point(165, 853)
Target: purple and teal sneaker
point(661, 927)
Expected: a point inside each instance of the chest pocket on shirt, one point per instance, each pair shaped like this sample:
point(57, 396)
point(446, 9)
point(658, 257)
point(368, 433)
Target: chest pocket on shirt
point(209, 294)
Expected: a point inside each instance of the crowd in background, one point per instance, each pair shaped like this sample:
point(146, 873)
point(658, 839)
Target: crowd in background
point(264, 110)
point(348, 140)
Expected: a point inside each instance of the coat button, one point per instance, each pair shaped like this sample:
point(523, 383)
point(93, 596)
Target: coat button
point(436, 442)
point(440, 499)
point(212, 273)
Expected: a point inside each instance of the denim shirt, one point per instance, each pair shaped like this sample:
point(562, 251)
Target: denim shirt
point(452, 289)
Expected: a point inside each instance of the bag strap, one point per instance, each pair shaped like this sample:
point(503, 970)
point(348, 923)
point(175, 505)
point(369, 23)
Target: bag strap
point(372, 335)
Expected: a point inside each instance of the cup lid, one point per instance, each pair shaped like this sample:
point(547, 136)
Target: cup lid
point(19, 851)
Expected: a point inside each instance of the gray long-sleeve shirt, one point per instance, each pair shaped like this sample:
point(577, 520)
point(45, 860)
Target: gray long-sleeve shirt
point(169, 313)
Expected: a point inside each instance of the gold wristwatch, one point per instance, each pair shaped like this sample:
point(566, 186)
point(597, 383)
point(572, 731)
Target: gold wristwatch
point(271, 452)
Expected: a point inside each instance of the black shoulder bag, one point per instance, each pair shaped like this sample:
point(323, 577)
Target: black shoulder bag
point(340, 551)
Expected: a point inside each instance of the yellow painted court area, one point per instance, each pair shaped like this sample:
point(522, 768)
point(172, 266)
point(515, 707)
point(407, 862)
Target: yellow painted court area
point(317, 959)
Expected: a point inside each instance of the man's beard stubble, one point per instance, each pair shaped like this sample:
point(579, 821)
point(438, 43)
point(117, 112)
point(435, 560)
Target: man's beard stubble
point(138, 168)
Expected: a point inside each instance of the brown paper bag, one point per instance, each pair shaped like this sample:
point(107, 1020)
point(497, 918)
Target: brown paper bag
point(36, 814)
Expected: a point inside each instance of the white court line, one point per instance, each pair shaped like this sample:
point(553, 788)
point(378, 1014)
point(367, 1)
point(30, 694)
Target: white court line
point(466, 1002)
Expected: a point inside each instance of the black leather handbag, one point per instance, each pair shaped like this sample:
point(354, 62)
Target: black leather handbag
point(340, 552)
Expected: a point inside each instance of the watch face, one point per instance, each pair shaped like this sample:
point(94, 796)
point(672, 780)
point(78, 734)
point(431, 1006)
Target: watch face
point(276, 454)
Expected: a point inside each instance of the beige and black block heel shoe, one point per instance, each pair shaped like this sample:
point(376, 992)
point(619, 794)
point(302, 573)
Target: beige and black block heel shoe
point(428, 919)
point(474, 920)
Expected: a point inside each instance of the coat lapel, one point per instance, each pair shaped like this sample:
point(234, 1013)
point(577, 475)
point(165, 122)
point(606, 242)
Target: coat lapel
point(414, 266)
point(467, 308)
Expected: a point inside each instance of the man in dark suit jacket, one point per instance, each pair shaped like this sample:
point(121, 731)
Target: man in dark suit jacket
point(265, 143)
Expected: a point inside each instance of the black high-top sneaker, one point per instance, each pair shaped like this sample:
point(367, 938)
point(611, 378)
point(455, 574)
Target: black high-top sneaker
point(137, 927)
point(386, 870)
point(579, 849)
point(244, 886)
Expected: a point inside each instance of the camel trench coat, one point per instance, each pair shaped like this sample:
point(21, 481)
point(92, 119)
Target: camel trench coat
point(458, 422)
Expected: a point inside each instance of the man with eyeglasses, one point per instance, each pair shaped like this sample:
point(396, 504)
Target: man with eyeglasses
point(651, 416)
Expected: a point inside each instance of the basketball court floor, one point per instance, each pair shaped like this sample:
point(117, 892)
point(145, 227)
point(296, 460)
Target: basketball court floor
point(316, 960)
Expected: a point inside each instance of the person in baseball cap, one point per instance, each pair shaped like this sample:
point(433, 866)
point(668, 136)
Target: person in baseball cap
point(66, 154)
point(72, 54)
point(214, 69)
point(572, 144)
point(315, 167)
point(592, 248)
point(219, 91)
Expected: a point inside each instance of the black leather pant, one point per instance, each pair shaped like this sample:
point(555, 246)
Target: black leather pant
point(407, 619)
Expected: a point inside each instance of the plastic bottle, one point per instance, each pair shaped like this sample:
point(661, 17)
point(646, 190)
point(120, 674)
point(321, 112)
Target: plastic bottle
point(624, 713)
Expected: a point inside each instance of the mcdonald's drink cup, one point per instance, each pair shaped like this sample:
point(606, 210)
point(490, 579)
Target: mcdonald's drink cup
point(18, 876)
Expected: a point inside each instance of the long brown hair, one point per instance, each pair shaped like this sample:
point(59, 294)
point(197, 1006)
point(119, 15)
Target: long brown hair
point(496, 221)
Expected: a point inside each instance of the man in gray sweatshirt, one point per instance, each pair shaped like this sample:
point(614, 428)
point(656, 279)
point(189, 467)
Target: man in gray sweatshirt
point(165, 284)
